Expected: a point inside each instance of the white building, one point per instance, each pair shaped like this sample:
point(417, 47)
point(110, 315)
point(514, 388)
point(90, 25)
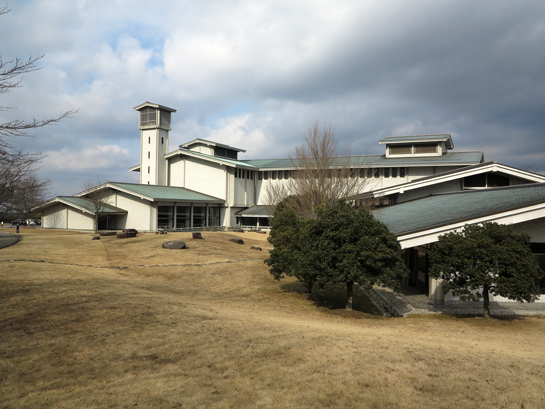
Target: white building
point(428, 189)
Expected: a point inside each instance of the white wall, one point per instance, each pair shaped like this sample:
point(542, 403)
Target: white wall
point(54, 217)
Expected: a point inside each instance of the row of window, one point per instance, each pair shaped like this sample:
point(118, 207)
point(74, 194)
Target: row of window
point(244, 174)
point(180, 217)
point(162, 141)
point(413, 149)
point(362, 173)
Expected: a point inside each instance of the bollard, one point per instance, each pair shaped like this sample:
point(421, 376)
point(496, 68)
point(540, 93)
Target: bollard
point(17, 228)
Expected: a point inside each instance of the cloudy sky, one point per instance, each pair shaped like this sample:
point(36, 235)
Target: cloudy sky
point(257, 74)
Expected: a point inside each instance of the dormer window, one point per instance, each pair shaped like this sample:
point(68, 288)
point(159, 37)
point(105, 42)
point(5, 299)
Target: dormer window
point(154, 116)
point(417, 145)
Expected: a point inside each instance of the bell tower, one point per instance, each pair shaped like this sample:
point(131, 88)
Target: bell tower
point(154, 125)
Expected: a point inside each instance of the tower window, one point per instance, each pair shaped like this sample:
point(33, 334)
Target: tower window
point(148, 169)
point(148, 117)
point(149, 139)
point(162, 140)
point(148, 155)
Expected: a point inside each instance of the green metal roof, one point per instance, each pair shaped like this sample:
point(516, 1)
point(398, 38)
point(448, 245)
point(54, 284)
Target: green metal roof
point(442, 210)
point(210, 157)
point(444, 137)
point(88, 204)
point(370, 161)
point(157, 193)
point(256, 211)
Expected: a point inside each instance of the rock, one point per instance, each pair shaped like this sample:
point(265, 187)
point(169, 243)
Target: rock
point(174, 245)
point(259, 231)
point(238, 230)
point(122, 235)
point(130, 232)
point(160, 232)
point(96, 238)
point(108, 233)
point(238, 241)
point(256, 248)
point(197, 235)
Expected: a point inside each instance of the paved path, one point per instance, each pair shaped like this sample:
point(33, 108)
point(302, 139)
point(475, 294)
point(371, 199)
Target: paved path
point(8, 239)
point(411, 301)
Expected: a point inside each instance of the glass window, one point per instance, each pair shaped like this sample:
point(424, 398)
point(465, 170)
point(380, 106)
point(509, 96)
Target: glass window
point(401, 172)
point(260, 175)
point(164, 217)
point(394, 172)
point(475, 180)
point(280, 175)
point(386, 172)
point(183, 217)
point(273, 175)
point(287, 174)
point(377, 173)
point(266, 175)
point(199, 216)
point(214, 216)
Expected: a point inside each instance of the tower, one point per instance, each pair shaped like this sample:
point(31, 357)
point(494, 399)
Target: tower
point(154, 125)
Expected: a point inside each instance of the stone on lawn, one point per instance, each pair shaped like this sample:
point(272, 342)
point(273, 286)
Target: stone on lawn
point(238, 241)
point(197, 235)
point(174, 245)
point(96, 238)
point(256, 248)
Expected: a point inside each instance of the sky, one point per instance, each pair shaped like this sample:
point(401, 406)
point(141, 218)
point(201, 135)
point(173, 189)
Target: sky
point(258, 74)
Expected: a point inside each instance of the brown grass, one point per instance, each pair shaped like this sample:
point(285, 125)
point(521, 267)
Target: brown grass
point(227, 335)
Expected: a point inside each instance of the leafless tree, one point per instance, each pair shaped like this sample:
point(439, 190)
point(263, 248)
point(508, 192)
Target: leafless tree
point(30, 192)
point(97, 198)
point(322, 174)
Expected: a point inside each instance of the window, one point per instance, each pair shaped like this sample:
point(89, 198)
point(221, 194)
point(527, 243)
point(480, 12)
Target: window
point(214, 216)
point(165, 119)
point(164, 217)
point(149, 139)
point(394, 172)
point(260, 175)
point(400, 149)
point(386, 172)
point(377, 173)
point(162, 140)
point(401, 172)
point(251, 175)
point(280, 175)
point(148, 169)
point(148, 154)
point(148, 117)
point(425, 148)
point(183, 217)
point(199, 216)
point(266, 175)
point(287, 174)
point(273, 175)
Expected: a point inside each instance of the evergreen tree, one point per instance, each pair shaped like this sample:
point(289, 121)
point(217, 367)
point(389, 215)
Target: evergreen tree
point(341, 246)
point(486, 259)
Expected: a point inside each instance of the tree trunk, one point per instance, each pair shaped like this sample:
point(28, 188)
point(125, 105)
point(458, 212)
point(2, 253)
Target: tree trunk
point(486, 302)
point(349, 295)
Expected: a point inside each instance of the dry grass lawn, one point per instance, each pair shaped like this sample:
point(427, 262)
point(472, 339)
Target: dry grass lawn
point(208, 327)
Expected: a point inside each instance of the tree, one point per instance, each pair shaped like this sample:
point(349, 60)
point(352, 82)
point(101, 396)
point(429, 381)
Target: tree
point(321, 175)
point(15, 164)
point(486, 259)
point(342, 247)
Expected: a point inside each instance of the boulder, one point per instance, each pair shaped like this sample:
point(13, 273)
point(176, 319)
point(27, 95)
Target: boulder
point(108, 233)
point(96, 238)
point(130, 232)
point(256, 248)
point(123, 235)
point(174, 245)
point(197, 235)
point(238, 230)
point(238, 241)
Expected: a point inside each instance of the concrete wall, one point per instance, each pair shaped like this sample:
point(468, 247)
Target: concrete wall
point(452, 186)
point(61, 216)
point(200, 175)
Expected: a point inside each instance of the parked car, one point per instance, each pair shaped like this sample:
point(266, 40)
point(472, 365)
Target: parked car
point(18, 222)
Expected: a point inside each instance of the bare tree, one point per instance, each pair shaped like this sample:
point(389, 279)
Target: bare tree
point(30, 192)
point(97, 198)
point(322, 175)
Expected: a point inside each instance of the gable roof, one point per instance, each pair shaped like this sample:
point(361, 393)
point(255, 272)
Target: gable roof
point(155, 193)
point(444, 137)
point(152, 105)
point(199, 141)
point(83, 204)
point(454, 174)
point(449, 211)
point(222, 161)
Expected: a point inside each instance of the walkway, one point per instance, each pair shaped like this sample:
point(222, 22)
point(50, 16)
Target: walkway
point(411, 301)
point(8, 239)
